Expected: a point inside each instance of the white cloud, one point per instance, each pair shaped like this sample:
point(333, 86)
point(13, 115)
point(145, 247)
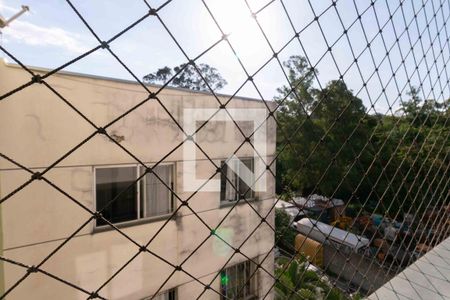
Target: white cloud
point(6, 8)
point(34, 35)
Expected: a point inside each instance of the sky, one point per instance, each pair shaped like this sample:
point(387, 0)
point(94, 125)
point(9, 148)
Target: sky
point(52, 34)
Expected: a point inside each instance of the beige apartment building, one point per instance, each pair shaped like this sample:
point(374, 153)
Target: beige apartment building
point(38, 128)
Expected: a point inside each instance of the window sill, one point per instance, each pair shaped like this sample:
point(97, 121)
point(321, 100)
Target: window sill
point(104, 228)
point(250, 297)
point(231, 203)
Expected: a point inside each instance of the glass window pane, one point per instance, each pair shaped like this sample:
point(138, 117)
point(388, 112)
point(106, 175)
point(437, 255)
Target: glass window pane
point(243, 187)
point(110, 183)
point(223, 181)
point(249, 278)
point(172, 294)
point(158, 197)
point(223, 284)
point(167, 295)
point(233, 281)
point(228, 183)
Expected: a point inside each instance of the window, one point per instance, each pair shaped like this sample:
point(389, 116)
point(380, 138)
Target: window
point(231, 184)
point(167, 295)
point(239, 282)
point(155, 198)
point(112, 183)
point(147, 198)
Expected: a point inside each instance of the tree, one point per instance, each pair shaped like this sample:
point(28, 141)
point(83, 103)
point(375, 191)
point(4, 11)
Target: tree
point(284, 234)
point(188, 77)
point(339, 113)
point(294, 106)
point(412, 106)
point(419, 148)
point(305, 116)
point(295, 276)
point(297, 98)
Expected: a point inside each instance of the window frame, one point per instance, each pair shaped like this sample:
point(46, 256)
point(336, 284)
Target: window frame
point(172, 201)
point(138, 220)
point(225, 202)
point(172, 290)
point(253, 281)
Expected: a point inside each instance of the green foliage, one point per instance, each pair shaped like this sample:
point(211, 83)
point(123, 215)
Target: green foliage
point(391, 151)
point(297, 282)
point(188, 77)
point(284, 234)
point(335, 103)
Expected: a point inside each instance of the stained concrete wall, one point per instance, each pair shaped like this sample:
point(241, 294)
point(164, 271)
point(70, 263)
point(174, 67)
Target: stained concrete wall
point(41, 128)
point(2, 276)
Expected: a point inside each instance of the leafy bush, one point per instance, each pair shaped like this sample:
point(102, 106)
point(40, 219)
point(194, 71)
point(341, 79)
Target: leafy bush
point(284, 234)
point(297, 282)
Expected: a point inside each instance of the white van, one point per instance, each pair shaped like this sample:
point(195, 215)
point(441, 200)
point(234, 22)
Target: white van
point(324, 233)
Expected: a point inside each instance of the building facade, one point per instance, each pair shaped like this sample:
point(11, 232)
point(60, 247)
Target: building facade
point(40, 130)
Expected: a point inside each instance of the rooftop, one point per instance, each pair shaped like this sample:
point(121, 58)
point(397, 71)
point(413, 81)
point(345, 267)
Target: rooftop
point(125, 81)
